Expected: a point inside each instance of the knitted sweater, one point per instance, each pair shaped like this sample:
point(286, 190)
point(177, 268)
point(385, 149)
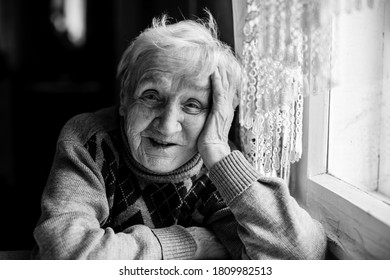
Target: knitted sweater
point(100, 203)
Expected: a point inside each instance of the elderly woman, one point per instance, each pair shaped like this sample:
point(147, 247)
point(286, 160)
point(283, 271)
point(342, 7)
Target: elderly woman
point(155, 177)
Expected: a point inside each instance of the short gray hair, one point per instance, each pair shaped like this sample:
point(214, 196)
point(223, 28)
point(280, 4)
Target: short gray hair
point(192, 48)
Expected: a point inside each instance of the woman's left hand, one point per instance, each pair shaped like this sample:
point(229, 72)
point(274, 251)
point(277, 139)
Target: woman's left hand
point(213, 140)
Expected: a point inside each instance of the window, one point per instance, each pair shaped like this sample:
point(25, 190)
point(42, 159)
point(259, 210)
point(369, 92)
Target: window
point(343, 178)
point(358, 137)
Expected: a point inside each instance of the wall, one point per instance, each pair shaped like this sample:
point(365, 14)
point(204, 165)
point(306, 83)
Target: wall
point(43, 83)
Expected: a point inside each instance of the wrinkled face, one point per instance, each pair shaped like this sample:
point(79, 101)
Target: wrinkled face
point(163, 119)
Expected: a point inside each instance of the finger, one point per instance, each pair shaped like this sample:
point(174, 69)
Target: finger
point(217, 80)
point(224, 78)
point(236, 99)
point(217, 84)
point(231, 90)
point(219, 94)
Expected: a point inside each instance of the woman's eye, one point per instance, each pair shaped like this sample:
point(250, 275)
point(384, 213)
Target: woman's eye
point(150, 96)
point(193, 107)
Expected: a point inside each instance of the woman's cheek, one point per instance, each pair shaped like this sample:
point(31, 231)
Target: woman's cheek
point(195, 125)
point(138, 119)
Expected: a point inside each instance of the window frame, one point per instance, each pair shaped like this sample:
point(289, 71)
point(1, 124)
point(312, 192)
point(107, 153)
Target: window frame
point(356, 222)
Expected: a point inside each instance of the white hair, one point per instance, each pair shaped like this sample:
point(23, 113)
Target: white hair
point(190, 48)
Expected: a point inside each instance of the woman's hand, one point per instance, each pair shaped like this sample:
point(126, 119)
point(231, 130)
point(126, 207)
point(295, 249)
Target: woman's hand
point(213, 140)
point(208, 245)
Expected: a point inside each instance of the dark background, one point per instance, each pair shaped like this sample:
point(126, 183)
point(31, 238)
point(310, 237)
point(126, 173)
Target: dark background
point(44, 82)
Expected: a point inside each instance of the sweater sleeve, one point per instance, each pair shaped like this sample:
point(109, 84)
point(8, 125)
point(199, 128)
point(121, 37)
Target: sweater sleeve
point(74, 208)
point(266, 222)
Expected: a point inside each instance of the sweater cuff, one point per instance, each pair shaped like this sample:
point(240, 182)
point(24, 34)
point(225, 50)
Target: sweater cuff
point(233, 175)
point(176, 243)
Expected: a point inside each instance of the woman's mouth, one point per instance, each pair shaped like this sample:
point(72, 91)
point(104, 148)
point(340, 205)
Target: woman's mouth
point(160, 143)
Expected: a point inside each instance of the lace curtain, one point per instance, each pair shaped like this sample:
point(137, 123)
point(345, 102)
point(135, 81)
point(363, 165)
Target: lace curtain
point(286, 56)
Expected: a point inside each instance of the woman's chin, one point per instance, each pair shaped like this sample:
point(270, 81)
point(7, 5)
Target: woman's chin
point(160, 165)
point(163, 160)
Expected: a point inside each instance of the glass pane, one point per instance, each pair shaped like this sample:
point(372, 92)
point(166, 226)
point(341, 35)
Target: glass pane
point(355, 101)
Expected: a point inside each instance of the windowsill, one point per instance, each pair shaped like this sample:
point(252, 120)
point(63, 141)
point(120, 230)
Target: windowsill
point(357, 223)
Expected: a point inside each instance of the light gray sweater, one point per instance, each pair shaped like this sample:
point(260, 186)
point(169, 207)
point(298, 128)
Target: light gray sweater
point(100, 204)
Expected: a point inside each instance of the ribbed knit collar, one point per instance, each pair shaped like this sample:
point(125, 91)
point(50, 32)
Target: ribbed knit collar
point(189, 169)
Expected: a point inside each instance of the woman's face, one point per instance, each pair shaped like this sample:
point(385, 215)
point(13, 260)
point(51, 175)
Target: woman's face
point(163, 119)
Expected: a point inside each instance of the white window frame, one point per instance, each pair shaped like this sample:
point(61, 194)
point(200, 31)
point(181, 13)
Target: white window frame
point(357, 223)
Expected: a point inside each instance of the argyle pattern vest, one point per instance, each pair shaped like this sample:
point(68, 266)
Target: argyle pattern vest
point(137, 197)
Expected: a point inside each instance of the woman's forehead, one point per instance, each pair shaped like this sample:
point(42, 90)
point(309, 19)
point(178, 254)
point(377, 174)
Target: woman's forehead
point(168, 78)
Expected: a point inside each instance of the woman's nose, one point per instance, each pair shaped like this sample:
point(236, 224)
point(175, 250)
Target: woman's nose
point(169, 121)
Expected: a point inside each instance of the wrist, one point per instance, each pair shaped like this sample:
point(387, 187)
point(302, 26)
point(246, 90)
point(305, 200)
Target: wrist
point(176, 242)
point(213, 154)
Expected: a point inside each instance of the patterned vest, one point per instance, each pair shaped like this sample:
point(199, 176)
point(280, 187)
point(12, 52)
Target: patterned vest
point(136, 195)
